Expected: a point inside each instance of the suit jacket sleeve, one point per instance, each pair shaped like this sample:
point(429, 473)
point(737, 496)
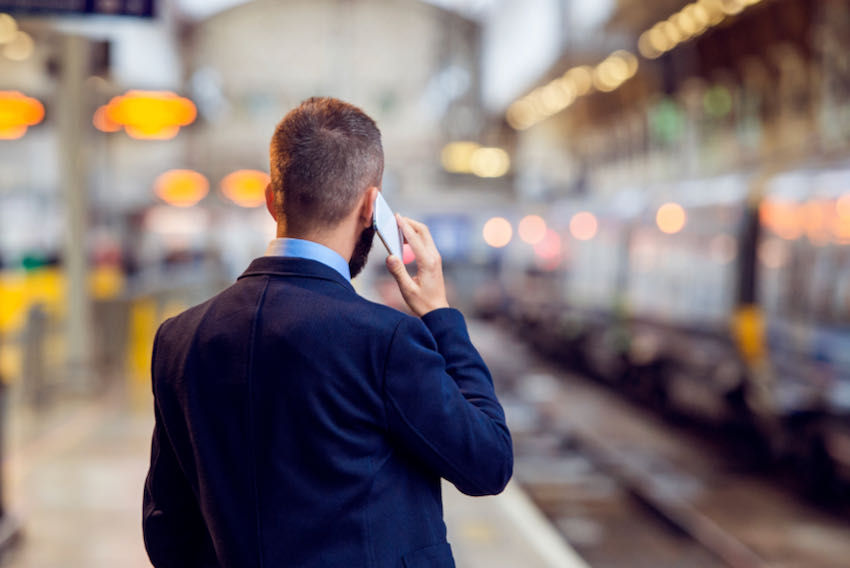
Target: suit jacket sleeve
point(175, 534)
point(441, 405)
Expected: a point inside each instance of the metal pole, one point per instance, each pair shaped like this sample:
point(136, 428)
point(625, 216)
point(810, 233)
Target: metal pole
point(74, 169)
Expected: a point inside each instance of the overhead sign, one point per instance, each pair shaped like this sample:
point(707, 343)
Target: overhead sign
point(138, 8)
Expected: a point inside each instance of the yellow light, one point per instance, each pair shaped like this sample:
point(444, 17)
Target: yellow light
point(490, 162)
point(17, 113)
point(20, 47)
point(8, 27)
point(732, 7)
point(629, 59)
point(714, 11)
point(497, 232)
point(581, 78)
point(156, 115)
point(456, 157)
point(557, 95)
point(246, 188)
point(181, 188)
point(583, 226)
point(646, 48)
point(699, 15)
point(670, 218)
point(685, 23)
point(532, 229)
point(659, 40)
point(521, 114)
point(674, 36)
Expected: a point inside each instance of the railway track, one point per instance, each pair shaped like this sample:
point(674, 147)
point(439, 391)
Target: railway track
point(627, 489)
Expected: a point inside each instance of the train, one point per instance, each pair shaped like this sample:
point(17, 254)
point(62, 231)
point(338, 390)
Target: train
point(723, 300)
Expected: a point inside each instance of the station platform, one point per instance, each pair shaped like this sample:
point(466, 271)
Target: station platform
point(74, 480)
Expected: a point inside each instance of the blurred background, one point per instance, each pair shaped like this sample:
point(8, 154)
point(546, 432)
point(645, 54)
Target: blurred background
point(642, 205)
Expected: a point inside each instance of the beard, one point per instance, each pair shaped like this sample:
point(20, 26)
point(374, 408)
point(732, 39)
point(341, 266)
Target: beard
point(361, 251)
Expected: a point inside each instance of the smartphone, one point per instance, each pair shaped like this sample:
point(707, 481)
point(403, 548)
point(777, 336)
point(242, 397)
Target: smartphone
point(387, 227)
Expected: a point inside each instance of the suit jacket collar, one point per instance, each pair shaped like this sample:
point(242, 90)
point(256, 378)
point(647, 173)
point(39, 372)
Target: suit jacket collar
point(290, 266)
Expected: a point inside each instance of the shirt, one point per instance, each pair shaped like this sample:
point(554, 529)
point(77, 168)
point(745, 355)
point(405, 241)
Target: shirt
point(300, 248)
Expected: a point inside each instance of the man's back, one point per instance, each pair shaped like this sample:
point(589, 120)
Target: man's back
point(301, 425)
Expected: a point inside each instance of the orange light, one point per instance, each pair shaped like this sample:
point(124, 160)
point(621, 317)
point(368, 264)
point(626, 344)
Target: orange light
point(101, 121)
point(583, 226)
point(842, 206)
point(814, 220)
point(246, 188)
point(181, 188)
point(151, 115)
point(671, 218)
point(497, 232)
point(17, 113)
point(783, 218)
point(532, 229)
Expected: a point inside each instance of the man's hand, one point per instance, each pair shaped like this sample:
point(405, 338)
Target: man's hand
point(427, 290)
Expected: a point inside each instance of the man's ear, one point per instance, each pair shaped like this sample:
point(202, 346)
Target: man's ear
point(367, 207)
point(270, 205)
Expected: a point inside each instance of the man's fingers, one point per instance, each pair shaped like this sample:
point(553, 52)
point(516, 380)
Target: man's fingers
point(413, 238)
point(399, 272)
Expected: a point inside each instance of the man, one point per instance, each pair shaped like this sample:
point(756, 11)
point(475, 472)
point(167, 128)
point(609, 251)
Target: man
point(298, 424)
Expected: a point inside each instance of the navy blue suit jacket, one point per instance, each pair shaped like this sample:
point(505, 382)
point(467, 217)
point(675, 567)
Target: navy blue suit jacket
point(298, 424)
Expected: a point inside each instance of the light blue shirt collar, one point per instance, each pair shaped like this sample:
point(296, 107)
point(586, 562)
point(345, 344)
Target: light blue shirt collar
point(300, 248)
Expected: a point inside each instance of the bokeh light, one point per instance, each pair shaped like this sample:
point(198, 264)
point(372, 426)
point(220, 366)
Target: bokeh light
point(583, 226)
point(549, 247)
point(497, 232)
point(532, 229)
point(151, 115)
point(17, 113)
point(181, 188)
point(489, 162)
point(246, 188)
point(671, 218)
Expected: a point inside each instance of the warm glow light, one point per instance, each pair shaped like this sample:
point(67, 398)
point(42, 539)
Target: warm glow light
point(646, 47)
point(246, 188)
point(583, 226)
point(489, 162)
point(20, 47)
point(181, 188)
point(670, 218)
point(17, 113)
point(773, 253)
point(153, 115)
point(457, 156)
point(549, 247)
point(783, 218)
point(732, 7)
point(532, 229)
point(101, 121)
point(521, 114)
point(497, 232)
point(581, 78)
point(8, 27)
point(814, 220)
point(842, 206)
point(723, 248)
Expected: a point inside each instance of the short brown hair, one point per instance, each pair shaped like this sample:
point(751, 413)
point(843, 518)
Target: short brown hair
point(324, 154)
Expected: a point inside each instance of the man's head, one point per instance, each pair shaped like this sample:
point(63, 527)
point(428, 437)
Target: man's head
point(325, 154)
